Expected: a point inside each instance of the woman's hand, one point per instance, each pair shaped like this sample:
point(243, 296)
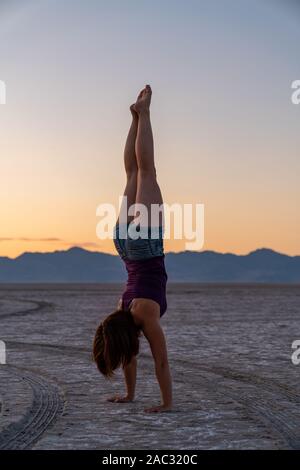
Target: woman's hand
point(120, 399)
point(158, 409)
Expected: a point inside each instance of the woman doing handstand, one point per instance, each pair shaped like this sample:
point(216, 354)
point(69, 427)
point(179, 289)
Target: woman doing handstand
point(143, 302)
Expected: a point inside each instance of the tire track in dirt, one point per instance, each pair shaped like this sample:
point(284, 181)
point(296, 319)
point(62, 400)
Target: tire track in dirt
point(258, 399)
point(50, 347)
point(227, 373)
point(46, 407)
point(39, 305)
point(261, 398)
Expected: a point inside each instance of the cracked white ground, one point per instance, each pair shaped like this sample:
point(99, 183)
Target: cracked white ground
point(235, 385)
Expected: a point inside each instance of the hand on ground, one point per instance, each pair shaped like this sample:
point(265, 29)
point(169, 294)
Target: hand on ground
point(158, 409)
point(119, 399)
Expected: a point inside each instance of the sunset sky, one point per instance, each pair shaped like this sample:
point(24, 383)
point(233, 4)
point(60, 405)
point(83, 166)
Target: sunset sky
point(226, 132)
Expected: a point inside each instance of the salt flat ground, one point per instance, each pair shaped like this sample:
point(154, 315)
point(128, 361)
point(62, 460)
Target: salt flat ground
point(235, 386)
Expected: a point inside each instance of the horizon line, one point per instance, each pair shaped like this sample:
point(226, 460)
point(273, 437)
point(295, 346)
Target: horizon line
point(78, 247)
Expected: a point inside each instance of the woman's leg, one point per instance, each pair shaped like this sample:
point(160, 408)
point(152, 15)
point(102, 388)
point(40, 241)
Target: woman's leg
point(131, 167)
point(148, 190)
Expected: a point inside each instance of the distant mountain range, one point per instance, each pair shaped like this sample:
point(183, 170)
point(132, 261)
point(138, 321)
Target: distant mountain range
point(79, 265)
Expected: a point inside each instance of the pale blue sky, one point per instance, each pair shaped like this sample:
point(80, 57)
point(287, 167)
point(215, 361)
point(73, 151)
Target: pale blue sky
point(226, 132)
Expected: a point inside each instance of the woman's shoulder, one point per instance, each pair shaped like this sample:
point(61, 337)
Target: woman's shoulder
point(144, 309)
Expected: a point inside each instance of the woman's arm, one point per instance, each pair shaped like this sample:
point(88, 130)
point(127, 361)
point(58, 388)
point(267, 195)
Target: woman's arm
point(155, 335)
point(130, 381)
point(130, 377)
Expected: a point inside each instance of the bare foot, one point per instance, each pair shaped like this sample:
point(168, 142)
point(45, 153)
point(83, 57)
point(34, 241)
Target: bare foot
point(134, 112)
point(144, 99)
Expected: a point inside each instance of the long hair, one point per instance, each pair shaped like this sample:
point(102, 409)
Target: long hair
point(116, 342)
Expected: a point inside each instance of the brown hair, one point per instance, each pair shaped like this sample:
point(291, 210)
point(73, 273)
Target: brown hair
point(116, 342)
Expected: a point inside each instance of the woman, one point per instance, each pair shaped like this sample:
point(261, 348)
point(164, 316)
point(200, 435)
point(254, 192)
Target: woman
point(143, 302)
